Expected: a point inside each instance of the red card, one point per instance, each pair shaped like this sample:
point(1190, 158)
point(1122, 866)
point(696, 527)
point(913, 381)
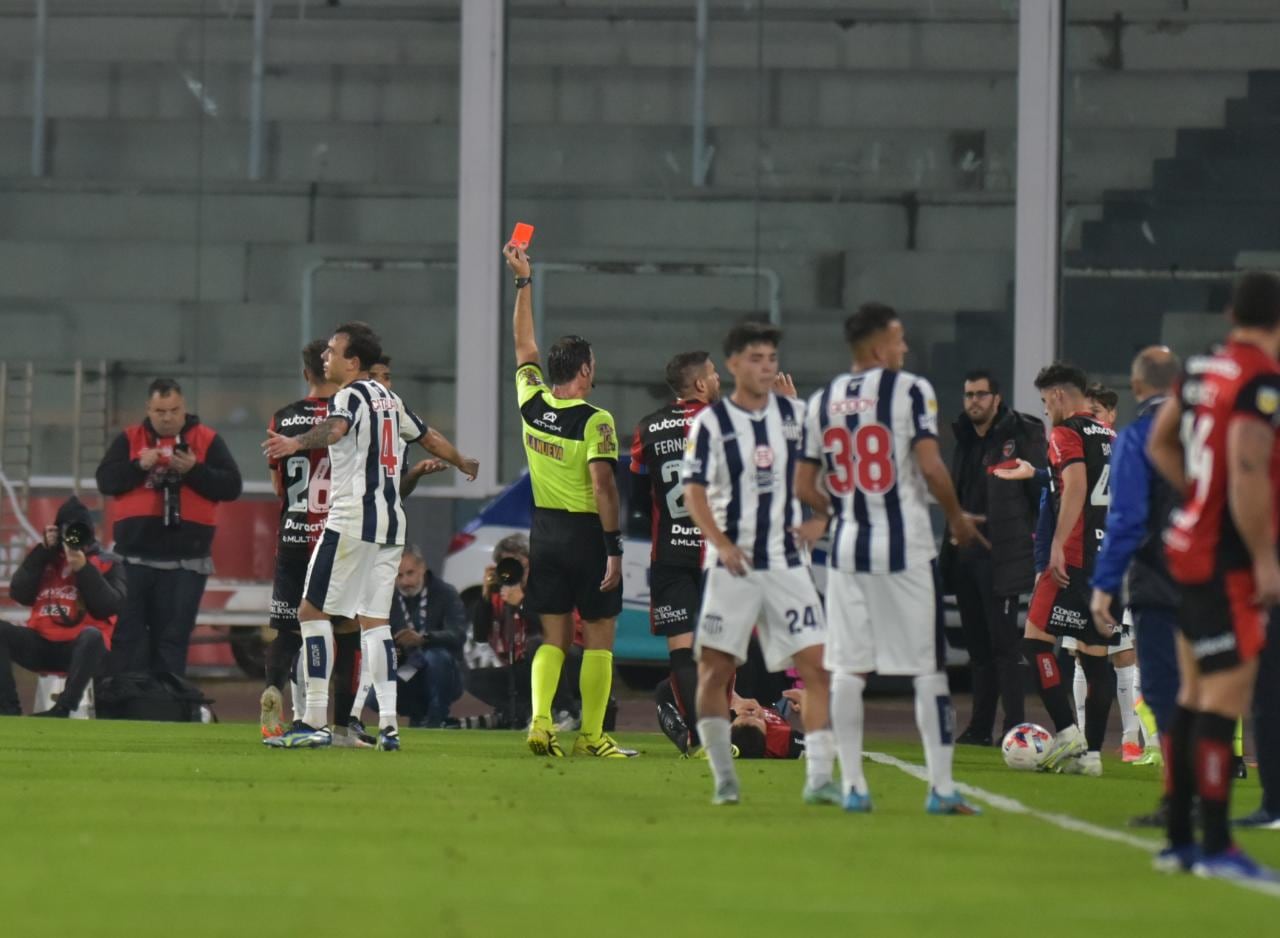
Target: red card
point(522, 235)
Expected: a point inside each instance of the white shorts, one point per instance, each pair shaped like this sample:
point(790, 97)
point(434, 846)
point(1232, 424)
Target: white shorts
point(783, 604)
point(349, 577)
point(883, 622)
point(1126, 637)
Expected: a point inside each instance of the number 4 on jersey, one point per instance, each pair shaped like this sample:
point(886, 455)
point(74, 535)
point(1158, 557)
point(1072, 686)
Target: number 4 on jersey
point(388, 458)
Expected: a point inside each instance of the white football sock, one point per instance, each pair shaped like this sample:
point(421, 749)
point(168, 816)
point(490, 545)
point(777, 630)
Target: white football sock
point(846, 720)
point(819, 756)
point(297, 687)
point(317, 670)
point(936, 722)
point(1126, 682)
point(380, 658)
point(1079, 690)
point(362, 692)
point(714, 733)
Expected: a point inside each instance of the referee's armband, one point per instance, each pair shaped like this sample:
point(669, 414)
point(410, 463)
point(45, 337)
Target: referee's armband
point(613, 543)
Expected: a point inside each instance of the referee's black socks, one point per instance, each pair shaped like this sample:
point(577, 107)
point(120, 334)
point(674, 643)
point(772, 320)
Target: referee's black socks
point(1040, 656)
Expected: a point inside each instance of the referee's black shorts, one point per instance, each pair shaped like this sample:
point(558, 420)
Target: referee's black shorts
point(566, 564)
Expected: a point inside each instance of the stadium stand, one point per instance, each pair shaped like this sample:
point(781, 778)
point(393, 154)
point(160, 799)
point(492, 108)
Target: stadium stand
point(855, 156)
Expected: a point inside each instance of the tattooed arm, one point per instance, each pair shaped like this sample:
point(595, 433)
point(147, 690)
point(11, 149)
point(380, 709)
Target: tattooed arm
point(318, 437)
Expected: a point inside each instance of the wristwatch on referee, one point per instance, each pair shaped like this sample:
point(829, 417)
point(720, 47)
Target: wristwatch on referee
point(522, 282)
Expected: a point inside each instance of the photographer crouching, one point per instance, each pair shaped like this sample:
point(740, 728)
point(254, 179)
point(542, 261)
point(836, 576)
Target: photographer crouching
point(75, 592)
point(513, 633)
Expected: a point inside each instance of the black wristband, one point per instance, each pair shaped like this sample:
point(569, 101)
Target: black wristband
point(613, 543)
point(522, 282)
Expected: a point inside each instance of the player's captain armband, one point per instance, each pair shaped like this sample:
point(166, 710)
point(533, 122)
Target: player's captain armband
point(924, 409)
point(1261, 397)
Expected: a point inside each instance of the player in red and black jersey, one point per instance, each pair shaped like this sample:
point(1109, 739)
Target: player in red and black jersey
point(658, 511)
point(1079, 463)
point(302, 482)
point(1217, 441)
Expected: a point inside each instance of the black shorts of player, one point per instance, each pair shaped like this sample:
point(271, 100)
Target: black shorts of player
point(566, 564)
point(675, 596)
point(1221, 622)
point(286, 588)
point(1064, 610)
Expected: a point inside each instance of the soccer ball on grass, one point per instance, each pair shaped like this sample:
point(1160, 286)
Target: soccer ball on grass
point(1025, 746)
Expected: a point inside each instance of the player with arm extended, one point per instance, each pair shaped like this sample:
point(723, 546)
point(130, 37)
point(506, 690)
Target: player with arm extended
point(1079, 461)
point(1217, 443)
point(738, 486)
point(575, 545)
point(871, 459)
point(353, 569)
point(657, 497)
point(302, 482)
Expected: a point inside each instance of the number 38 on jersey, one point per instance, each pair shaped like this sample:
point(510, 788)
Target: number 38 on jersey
point(861, 459)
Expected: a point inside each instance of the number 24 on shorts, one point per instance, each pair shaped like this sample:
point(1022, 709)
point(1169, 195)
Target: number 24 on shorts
point(795, 623)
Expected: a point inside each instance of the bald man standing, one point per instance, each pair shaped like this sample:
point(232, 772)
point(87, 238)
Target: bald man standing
point(1140, 504)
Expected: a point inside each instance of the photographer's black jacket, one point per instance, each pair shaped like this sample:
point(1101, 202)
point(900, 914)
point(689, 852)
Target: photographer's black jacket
point(140, 531)
point(102, 594)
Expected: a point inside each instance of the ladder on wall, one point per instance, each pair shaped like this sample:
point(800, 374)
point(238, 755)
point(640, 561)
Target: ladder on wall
point(17, 382)
point(92, 409)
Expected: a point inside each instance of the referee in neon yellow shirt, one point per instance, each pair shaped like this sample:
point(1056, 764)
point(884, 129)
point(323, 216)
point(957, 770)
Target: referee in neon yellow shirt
point(575, 547)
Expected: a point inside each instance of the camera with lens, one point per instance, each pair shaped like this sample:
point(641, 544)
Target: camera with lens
point(171, 492)
point(509, 571)
point(77, 535)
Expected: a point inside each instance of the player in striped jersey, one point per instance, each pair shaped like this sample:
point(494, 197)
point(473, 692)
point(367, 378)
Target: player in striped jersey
point(353, 569)
point(738, 472)
point(871, 459)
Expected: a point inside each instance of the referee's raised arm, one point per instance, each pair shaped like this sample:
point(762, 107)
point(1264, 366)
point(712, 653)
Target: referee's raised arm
point(526, 345)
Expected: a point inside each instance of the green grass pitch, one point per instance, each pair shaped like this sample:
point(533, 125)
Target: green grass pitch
point(152, 829)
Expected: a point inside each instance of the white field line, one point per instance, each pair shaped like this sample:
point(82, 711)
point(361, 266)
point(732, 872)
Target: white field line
point(1063, 821)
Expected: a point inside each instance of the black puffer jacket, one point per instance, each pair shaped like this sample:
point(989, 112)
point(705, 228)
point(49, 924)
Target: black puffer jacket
point(1012, 507)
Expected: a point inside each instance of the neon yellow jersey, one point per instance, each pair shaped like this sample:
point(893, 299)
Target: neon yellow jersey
point(561, 438)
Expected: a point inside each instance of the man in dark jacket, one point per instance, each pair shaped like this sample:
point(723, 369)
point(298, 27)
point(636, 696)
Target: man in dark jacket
point(75, 592)
point(167, 475)
point(429, 624)
point(1132, 553)
point(987, 583)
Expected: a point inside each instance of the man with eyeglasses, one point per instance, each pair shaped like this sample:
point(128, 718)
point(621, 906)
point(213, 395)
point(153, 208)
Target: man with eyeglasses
point(987, 582)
